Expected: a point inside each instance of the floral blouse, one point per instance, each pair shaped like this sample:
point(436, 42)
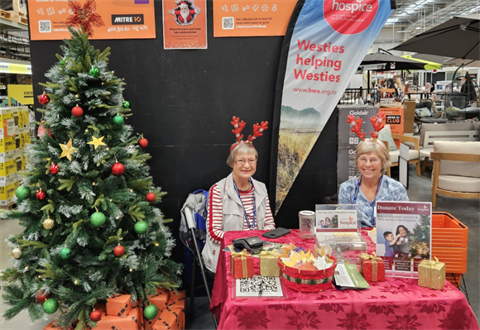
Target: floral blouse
point(390, 190)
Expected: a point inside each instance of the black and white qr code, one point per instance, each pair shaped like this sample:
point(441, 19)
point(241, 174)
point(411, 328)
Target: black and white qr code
point(45, 26)
point(227, 23)
point(258, 284)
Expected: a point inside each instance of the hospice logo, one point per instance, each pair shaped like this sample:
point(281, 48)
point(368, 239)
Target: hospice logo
point(350, 16)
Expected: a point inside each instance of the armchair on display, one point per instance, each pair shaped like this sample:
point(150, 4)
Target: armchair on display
point(427, 113)
point(456, 169)
point(193, 236)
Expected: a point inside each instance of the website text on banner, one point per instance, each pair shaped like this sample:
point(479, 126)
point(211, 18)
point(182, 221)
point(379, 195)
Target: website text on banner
point(328, 42)
point(123, 19)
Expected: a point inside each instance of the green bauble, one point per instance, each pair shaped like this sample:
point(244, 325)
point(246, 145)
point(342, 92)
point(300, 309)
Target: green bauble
point(118, 120)
point(65, 253)
point(126, 104)
point(94, 72)
point(141, 227)
point(150, 312)
point(50, 306)
point(22, 193)
point(97, 219)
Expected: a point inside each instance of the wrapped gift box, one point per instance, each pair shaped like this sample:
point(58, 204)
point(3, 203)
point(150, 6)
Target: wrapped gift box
point(372, 268)
point(168, 320)
point(242, 264)
point(269, 264)
point(160, 299)
point(431, 274)
point(119, 305)
point(130, 322)
point(177, 301)
point(52, 326)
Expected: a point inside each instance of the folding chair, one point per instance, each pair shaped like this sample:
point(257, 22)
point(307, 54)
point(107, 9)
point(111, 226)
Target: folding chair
point(189, 215)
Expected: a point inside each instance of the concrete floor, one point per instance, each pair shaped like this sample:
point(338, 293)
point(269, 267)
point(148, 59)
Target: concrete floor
point(465, 210)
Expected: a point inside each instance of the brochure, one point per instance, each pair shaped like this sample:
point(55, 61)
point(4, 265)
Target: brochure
point(347, 276)
point(404, 231)
point(336, 218)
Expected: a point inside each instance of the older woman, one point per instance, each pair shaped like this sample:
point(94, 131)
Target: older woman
point(237, 202)
point(371, 185)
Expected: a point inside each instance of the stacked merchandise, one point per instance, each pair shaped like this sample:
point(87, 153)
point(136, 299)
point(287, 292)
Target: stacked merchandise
point(14, 136)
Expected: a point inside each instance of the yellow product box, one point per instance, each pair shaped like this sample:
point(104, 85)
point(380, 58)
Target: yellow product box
point(26, 137)
point(23, 119)
point(8, 126)
point(7, 192)
point(8, 168)
point(8, 180)
point(7, 144)
point(7, 156)
point(21, 163)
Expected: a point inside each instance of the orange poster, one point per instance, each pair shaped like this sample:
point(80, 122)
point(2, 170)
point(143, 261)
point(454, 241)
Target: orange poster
point(123, 19)
point(184, 24)
point(251, 18)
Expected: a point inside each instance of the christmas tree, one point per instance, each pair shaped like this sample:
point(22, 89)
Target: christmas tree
point(86, 203)
point(420, 238)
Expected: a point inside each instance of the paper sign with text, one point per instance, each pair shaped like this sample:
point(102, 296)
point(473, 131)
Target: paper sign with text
point(184, 24)
point(123, 19)
point(404, 231)
point(247, 18)
point(332, 217)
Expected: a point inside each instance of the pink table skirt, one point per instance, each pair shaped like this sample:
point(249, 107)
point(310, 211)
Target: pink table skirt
point(397, 303)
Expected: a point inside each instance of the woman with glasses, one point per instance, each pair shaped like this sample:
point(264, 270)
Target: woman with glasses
point(372, 184)
point(237, 202)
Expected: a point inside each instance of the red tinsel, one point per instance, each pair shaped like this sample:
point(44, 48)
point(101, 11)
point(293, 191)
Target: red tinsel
point(84, 16)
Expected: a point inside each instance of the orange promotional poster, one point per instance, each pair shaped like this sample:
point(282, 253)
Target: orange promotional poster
point(184, 24)
point(109, 19)
point(247, 18)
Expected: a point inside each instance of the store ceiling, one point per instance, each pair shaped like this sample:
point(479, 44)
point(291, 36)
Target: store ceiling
point(416, 16)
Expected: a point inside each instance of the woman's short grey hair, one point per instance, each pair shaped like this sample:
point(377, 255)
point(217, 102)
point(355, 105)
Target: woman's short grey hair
point(380, 149)
point(241, 148)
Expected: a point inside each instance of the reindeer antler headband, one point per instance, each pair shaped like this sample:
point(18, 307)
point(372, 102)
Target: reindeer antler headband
point(239, 125)
point(378, 123)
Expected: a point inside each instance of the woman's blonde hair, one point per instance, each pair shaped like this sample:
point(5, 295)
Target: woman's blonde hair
point(380, 149)
point(242, 148)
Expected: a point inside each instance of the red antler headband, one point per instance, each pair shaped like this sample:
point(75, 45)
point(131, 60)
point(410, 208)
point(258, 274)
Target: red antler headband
point(239, 125)
point(378, 123)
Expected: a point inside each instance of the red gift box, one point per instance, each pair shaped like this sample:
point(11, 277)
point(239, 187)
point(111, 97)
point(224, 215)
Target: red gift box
point(168, 320)
point(242, 264)
point(119, 305)
point(131, 322)
point(372, 268)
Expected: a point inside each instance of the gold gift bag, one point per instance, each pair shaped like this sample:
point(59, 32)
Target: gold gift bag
point(269, 264)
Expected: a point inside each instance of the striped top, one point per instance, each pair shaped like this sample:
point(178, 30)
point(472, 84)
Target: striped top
point(215, 213)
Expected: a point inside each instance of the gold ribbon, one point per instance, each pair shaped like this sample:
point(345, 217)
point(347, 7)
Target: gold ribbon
point(243, 255)
point(374, 259)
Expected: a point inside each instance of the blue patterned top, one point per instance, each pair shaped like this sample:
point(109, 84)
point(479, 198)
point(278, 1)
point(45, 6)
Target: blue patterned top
point(390, 190)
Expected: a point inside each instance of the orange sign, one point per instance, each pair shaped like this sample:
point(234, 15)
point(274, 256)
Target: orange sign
point(247, 18)
point(123, 19)
point(184, 24)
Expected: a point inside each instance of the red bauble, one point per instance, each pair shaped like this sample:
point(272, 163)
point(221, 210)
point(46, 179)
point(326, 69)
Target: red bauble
point(150, 197)
point(42, 131)
point(96, 316)
point(41, 297)
point(77, 111)
point(118, 250)
point(41, 195)
point(43, 99)
point(118, 169)
point(54, 168)
point(143, 142)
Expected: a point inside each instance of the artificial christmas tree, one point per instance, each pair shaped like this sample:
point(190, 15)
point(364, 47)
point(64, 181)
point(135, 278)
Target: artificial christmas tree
point(95, 180)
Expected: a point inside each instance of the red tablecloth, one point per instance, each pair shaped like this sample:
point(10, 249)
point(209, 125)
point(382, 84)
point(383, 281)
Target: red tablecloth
point(398, 303)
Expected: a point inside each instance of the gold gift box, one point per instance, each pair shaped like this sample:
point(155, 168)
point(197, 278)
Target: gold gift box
point(431, 274)
point(269, 264)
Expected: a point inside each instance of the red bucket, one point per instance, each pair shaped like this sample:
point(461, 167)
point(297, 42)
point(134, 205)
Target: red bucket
point(307, 280)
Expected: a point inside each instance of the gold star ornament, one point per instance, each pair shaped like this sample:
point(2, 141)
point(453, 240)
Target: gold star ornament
point(67, 150)
point(97, 142)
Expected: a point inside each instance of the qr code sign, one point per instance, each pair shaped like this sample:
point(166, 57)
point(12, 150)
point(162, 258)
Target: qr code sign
point(45, 26)
point(227, 23)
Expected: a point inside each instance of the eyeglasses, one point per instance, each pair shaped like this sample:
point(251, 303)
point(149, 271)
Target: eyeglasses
point(242, 162)
point(373, 161)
